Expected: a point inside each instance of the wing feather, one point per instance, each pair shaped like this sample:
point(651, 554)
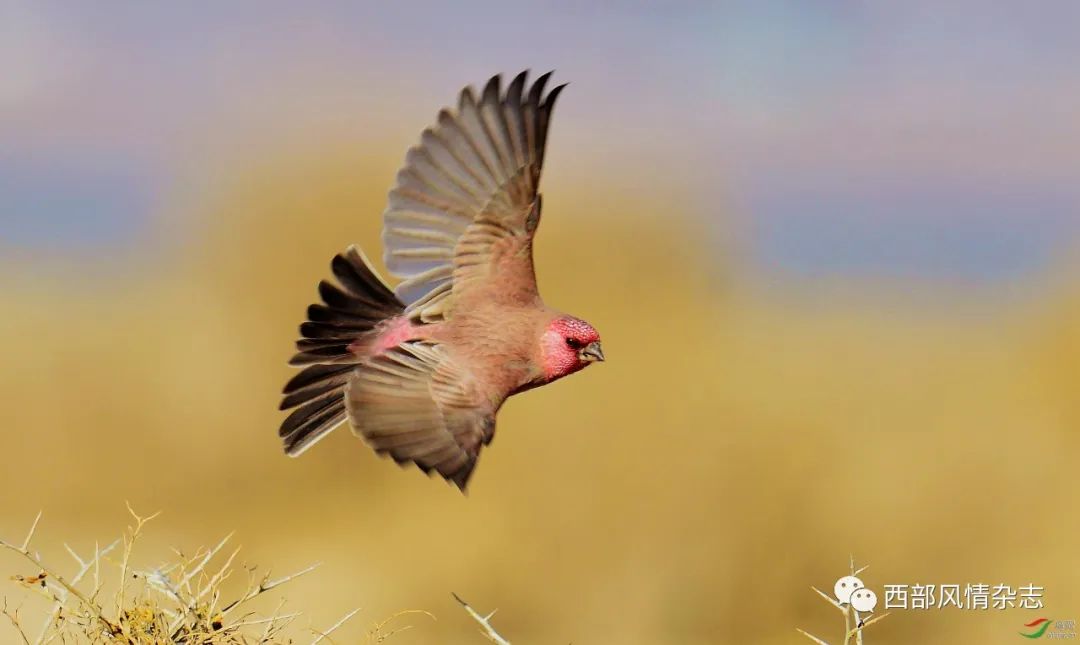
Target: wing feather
point(417, 405)
point(469, 186)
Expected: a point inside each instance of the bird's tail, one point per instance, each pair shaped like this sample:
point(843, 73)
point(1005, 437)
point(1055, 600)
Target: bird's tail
point(347, 313)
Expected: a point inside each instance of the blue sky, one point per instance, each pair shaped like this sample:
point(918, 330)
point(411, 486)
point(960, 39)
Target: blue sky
point(906, 139)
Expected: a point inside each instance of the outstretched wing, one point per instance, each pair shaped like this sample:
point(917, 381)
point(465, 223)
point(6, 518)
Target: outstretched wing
point(417, 405)
point(466, 205)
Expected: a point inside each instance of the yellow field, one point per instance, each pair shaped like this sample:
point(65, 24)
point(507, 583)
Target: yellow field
point(744, 437)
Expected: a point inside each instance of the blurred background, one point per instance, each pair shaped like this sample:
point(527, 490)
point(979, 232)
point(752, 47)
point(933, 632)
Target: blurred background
point(831, 247)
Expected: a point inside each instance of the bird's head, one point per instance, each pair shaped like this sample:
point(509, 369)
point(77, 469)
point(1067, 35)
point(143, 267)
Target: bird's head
point(569, 344)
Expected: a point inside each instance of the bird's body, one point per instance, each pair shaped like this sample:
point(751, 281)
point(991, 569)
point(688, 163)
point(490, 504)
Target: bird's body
point(496, 343)
point(421, 371)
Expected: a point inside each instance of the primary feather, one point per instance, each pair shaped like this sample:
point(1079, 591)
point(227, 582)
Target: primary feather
point(465, 196)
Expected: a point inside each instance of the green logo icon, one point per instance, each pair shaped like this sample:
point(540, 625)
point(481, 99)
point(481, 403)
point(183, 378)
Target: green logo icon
point(1040, 625)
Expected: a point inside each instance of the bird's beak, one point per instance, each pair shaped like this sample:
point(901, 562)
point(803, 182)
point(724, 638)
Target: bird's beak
point(591, 352)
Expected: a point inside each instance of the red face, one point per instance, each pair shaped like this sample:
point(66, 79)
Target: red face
point(569, 344)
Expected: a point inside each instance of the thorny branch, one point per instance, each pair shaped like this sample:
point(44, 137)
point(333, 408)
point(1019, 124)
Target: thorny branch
point(330, 630)
point(61, 599)
point(190, 608)
point(848, 612)
point(377, 635)
point(93, 607)
point(192, 590)
point(13, 617)
point(485, 622)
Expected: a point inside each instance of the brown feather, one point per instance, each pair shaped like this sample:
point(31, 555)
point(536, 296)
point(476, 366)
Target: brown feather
point(415, 404)
point(348, 313)
point(469, 186)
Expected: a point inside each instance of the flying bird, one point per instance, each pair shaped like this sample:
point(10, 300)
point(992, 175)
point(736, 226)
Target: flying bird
point(420, 371)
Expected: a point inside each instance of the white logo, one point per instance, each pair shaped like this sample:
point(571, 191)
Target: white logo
point(854, 601)
point(864, 601)
point(845, 586)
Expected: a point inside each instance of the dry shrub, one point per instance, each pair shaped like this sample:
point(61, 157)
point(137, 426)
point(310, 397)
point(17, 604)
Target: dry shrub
point(185, 600)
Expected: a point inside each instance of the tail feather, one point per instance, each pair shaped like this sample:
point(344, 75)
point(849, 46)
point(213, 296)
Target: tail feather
point(312, 375)
point(313, 331)
point(298, 397)
point(348, 312)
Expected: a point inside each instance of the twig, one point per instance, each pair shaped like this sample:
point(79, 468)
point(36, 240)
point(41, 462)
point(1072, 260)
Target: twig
point(874, 619)
point(97, 569)
point(322, 635)
point(265, 586)
point(84, 568)
point(202, 563)
point(811, 637)
point(30, 535)
point(219, 577)
point(848, 610)
point(13, 616)
point(271, 622)
point(129, 546)
point(36, 561)
point(377, 634)
point(829, 599)
point(867, 623)
point(485, 621)
point(269, 619)
point(159, 580)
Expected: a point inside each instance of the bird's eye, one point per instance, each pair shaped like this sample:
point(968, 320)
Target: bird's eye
point(573, 343)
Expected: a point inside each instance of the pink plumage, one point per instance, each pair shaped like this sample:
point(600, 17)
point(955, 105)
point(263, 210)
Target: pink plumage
point(420, 371)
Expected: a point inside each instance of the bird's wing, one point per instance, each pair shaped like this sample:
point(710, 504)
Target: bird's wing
point(466, 203)
point(417, 405)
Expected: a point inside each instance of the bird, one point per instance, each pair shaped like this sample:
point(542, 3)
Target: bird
point(419, 371)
